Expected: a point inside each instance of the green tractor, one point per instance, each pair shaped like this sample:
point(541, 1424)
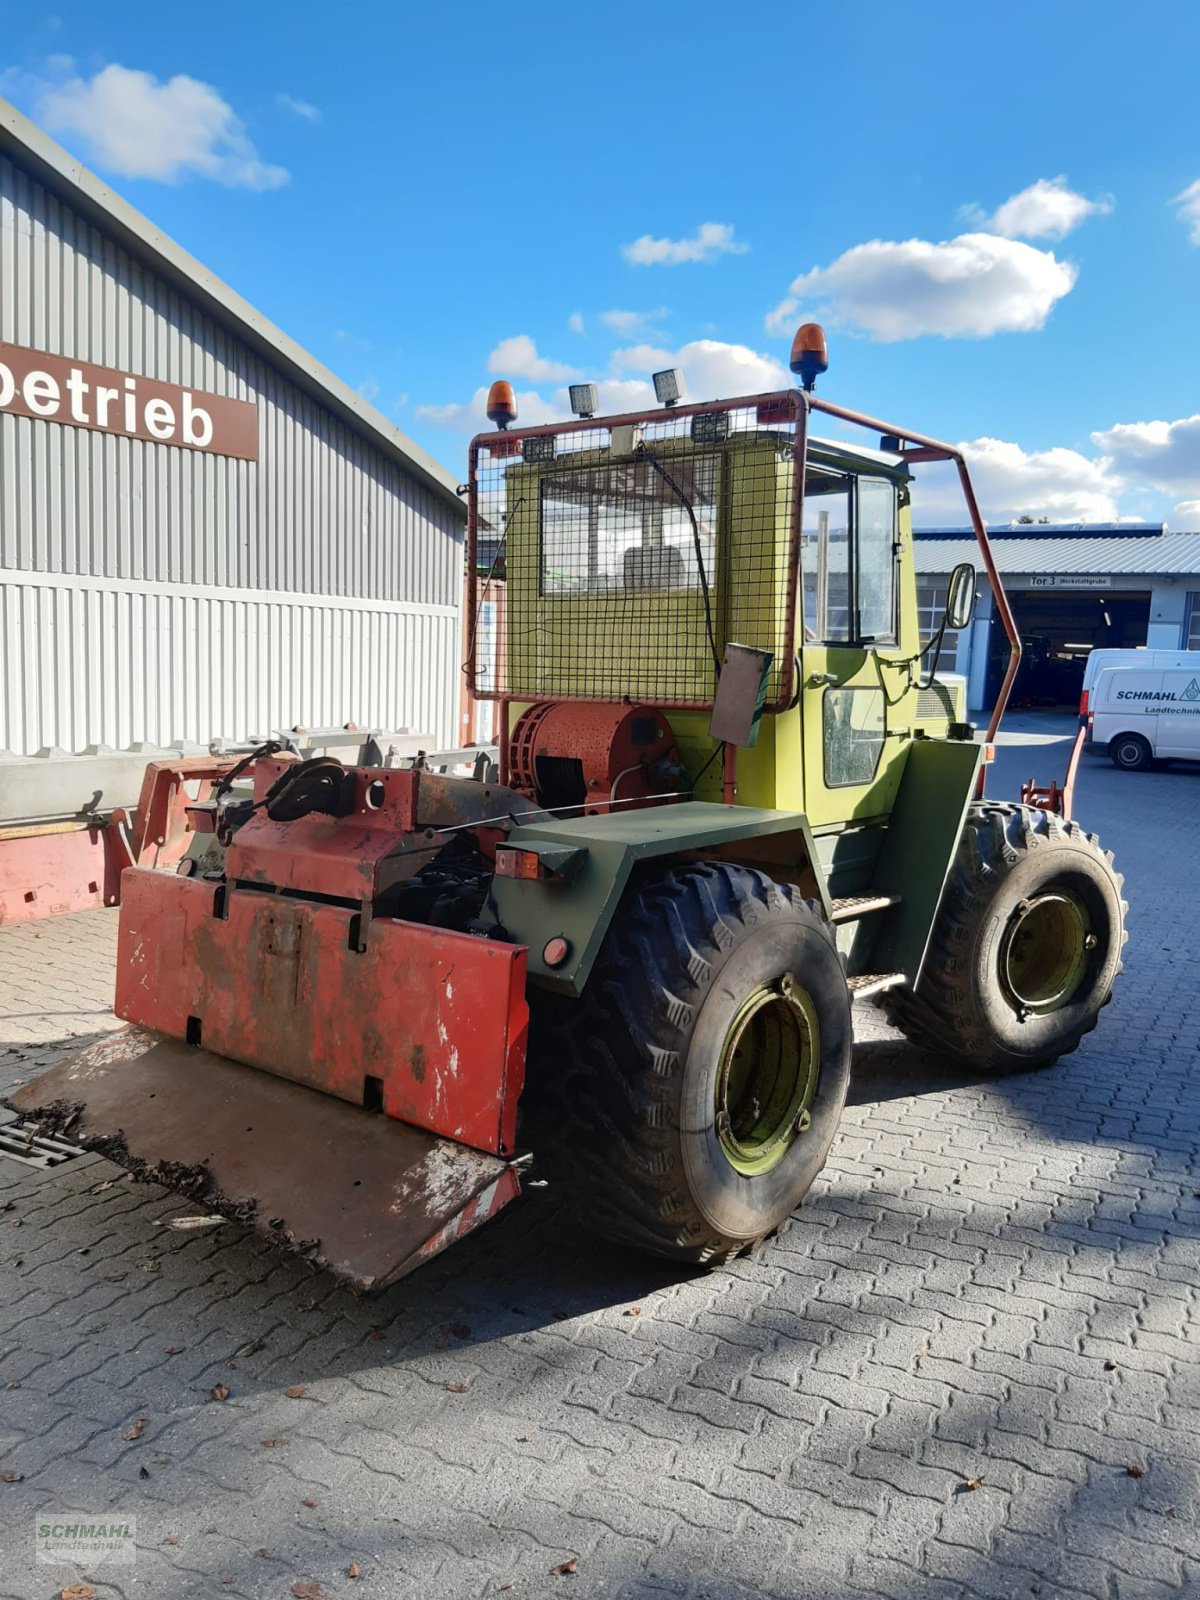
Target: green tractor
point(712, 678)
point(733, 796)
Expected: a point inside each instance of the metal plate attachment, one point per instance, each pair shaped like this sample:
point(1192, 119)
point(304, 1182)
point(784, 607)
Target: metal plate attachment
point(361, 1194)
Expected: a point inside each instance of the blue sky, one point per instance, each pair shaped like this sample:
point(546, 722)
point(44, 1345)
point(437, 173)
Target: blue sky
point(988, 206)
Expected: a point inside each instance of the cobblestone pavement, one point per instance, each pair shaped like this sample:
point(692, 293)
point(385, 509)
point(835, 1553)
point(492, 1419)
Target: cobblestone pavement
point(992, 1285)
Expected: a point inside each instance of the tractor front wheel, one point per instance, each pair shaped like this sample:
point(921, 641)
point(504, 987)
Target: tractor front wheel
point(1026, 947)
point(689, 1098)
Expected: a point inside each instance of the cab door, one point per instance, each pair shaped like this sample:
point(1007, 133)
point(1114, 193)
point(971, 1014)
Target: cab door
point(853, 686)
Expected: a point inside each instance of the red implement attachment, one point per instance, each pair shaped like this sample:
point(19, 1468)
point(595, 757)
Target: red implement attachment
point(426, 1025)
point(162, 828)
point(48, 868)
point(1049, 797)
point(364, 1196)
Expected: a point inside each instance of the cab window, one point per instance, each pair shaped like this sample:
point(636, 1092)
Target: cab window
point(825, 560)
point(876, 561)
point(848, 560)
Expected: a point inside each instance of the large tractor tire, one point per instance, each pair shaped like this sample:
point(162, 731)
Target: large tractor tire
point(689, 1098)
point(1026, 947)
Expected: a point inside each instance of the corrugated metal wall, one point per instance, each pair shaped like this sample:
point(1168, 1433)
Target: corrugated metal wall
point(149, 592)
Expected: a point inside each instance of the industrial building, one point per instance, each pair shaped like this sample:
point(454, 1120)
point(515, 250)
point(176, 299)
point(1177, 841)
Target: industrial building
point(203, 533)
point(1073, 588)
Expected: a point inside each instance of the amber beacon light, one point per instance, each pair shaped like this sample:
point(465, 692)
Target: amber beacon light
point(810, 355)
point(502, 404)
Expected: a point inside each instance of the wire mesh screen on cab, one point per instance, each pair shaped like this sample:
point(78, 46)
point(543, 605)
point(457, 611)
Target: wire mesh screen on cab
point(633, 553)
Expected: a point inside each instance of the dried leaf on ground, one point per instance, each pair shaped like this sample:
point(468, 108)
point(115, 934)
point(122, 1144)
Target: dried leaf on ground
point(11, 1477)
point(633, 1311)
point(309, 1591)
point(77, 1591)
point(511, 1584)
point(172, 1349)
point(458, 1388)
point(567, 1569)
point(219, 1392)
point(1135, 1471)
point(138, 1428)
point(296, 1391)
point(352, 1570)
point(969, 1485)
point(272, 1444)
point(143, 1472)
point(265, 1553)
point(172, 1538)
point(309, 1502)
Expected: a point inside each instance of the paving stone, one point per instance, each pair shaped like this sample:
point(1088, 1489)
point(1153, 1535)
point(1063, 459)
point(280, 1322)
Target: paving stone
point(799, 1425)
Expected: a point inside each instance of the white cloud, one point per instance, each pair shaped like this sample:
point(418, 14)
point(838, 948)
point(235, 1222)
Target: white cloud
point(369, 389)
point(518, 358)
point(710, 240)
point(969, 288)
point(641, 358)
point(1165, 455)
point(1063, 485)
point(1046, 210)
point(472, 417)
point(575, 322)
point(710, 371)
point(132, 124)
point(632, 324)
point(1186, 516)
point(1187, 204)
point(713, 370)
point(299, 108)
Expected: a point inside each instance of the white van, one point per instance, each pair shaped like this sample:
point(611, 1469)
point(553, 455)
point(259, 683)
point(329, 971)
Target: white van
point(1141, 715)
point(1100, 660)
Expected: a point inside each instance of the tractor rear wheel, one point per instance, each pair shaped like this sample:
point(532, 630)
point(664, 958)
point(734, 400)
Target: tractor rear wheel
point(1026, 947)
point(689, 1098)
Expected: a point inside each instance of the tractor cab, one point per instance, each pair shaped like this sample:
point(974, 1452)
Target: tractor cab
point(638, 552)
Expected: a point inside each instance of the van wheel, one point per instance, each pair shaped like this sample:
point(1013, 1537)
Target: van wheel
point(1130, 752)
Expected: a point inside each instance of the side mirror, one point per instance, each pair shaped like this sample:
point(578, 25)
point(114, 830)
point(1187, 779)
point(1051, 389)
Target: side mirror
point(960, 596)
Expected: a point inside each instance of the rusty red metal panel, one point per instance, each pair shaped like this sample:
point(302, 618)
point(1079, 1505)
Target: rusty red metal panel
point(73, 866)
point(364, 1196)
point(338, 856)
point(428, 1024)
point(389, 831)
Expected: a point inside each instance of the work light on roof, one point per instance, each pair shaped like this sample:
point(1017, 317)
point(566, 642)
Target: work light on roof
point(501, 404)
point(810, 357)
point(668, 387)
point(585, 402)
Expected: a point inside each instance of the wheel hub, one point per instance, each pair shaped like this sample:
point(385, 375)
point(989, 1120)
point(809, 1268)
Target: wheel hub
point(767, 1076)
point(1044, 952)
